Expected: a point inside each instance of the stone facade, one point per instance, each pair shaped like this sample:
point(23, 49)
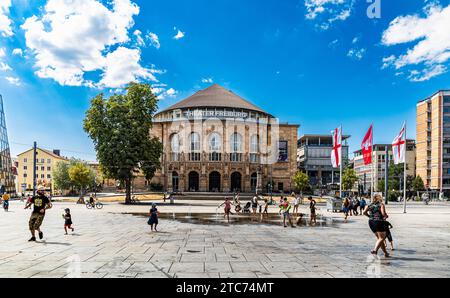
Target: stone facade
point(224, 148)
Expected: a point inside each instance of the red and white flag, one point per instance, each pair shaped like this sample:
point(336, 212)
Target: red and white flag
point(336, 153)
point(399, 146)
point(366, 146)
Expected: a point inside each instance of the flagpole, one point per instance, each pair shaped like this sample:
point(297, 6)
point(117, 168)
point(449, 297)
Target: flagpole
point(405, 176)
point(340, 169)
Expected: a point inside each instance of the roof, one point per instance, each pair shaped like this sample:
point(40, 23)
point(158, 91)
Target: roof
point(214, 96)
point(443, 91)
point(46, 151)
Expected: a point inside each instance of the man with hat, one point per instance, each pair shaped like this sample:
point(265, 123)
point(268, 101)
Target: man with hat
point(41, 203)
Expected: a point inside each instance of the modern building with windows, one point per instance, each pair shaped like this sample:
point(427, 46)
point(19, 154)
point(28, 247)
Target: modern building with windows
point(378, 168)
point(215, 141)
point(433, 141)
point(314, 158)
point(7, 182)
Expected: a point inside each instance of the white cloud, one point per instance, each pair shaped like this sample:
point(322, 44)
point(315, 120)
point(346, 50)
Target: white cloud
point(72, 38)
point(432, 41)
point(356, 53)
point(207, 80)
point(5, 21)
point(427, 74)
point(122, 67)
point(14, 81)
point(139, 40)
point(17, 52)
point(161, 92)
point(154, 39)
point(328, 11)
point(2, 51)
point(4, 67)
point(180, 34)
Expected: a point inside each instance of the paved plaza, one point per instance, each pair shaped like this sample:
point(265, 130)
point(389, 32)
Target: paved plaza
point(112, 243)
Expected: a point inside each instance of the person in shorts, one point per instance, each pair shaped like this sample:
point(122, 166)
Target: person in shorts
point(312, 208)
point(377, 223)
point(67, 220)
point(285, 208)
point(40, 204)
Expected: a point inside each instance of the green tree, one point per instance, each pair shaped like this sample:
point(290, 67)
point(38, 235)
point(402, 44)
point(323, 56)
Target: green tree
point(120, 129)
point(60, 174)
point(349, 178)
point(417, 184)
point(301, 181)
point(81, 176)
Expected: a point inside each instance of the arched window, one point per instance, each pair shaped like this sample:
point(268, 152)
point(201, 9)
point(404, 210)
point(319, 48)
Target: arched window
point(175, 143)
point(195, 142)
point(175, 147)
point(215, 142)
point(236, 147)
point(254, 148)
point(194, 154)
point(215, 147)
point(236, 142)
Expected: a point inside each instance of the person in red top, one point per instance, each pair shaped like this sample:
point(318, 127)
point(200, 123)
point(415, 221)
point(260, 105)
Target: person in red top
point(227, 208)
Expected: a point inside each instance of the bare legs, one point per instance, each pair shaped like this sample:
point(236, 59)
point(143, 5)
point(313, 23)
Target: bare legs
point(381, 236)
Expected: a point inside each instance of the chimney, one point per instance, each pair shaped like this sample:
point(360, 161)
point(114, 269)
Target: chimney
point(57, 152)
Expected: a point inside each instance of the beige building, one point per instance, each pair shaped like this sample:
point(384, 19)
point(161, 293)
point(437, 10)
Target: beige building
point(215, 141)
point(364, 172)
point(433, 141)
point(45, 162)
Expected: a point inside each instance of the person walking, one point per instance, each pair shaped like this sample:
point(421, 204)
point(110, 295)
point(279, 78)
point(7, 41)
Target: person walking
point(296, 204)
point(40, 203)
point(5, 198)
point(67, 220)
point(346, 208)
point(376, 212)
point(153, 220)
point(312, 208)
point(362, 205)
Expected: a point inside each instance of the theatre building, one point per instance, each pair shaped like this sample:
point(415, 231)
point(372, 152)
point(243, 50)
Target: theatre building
point(215, 141)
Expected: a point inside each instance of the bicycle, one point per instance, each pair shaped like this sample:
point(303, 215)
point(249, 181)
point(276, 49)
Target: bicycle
point(97, 205)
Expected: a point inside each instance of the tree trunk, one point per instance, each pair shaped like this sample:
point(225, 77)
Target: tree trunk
point(128, 191)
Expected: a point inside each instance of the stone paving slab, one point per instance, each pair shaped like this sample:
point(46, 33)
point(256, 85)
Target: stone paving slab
point(110, 244)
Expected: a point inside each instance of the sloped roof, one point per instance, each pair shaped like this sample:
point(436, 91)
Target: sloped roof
point(215, 96)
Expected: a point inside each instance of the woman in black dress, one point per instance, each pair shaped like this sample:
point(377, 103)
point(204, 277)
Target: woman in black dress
point(153, 220)
point(377, 223)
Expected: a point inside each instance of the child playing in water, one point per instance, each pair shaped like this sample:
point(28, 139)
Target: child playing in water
point(389, 235)
point(312, 208)
point(153, 220)
point(285, 207)
point(67, 220)
point(227, 208)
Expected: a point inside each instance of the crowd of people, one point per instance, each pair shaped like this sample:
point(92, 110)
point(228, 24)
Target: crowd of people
point(373, 208)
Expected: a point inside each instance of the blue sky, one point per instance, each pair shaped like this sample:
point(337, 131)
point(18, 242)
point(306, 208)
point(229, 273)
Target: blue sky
point(317, 63)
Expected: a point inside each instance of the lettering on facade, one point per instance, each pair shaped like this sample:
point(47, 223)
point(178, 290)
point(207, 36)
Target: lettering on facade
point(214, 114)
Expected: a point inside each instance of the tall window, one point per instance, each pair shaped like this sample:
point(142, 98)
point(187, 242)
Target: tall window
point(175, 146)
point(254, 148)
point(236, 147)
point(194, 154)
point(283, 151)
point(215, 147)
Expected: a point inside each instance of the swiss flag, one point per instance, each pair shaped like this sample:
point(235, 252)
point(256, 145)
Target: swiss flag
point(336, 153)
point(366, 146)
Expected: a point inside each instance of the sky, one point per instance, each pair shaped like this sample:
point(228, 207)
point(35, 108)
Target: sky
point(316, 63)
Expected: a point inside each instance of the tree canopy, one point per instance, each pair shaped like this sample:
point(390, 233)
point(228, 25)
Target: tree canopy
point(301, 181)
point(120, 127)
point(349, 178)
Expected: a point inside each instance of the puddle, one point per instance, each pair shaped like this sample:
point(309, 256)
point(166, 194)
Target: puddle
point(240, 219)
